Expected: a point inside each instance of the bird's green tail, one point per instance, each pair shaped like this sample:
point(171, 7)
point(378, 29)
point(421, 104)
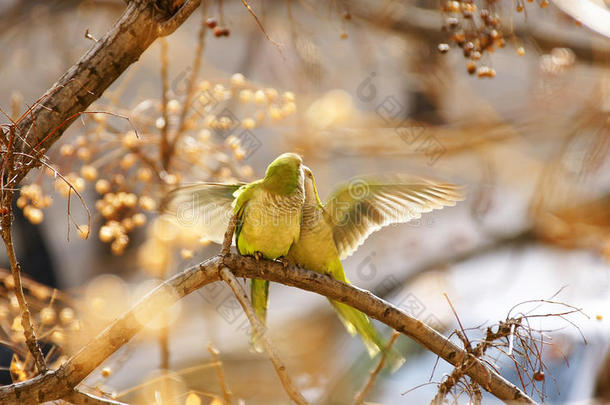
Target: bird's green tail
point(259, 294)
point(357, 322)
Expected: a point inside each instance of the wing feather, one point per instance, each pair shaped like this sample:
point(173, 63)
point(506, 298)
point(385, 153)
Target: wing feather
point(364, 205)
point(205, 206)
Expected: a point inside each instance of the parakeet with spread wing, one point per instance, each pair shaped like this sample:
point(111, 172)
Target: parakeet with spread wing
point(334, 230)
point(269, 213)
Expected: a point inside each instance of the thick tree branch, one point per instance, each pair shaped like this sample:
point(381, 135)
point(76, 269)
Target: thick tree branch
point(59, 383)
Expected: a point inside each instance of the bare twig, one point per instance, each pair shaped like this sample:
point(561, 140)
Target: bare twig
point(26, 320)
point(84, 398)
point(259, 330)
point(190, 91)
point(226, 244)
point(7, 172)
point(164, 149)
point(58, 383)
point(221, 375)
point(361, 396)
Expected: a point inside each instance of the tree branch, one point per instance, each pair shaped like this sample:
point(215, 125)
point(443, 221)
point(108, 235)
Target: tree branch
point(59, 383)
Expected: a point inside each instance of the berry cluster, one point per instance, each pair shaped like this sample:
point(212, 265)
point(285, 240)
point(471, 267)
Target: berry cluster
point(212, 24)
point(475, 26)
point(123, 165)
point(32, 201)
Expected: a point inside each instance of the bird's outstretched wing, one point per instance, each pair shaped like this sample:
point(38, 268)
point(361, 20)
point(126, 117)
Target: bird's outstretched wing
point(205, 206)
point(365, 204)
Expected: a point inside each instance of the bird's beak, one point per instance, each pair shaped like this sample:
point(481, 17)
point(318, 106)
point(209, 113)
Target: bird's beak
point(307, 171)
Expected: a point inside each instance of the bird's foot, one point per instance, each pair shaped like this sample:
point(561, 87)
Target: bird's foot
point(258, 256)
point(284, 261)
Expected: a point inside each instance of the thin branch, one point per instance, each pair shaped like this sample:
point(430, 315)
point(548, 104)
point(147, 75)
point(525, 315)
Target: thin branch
point(164, 149)
point(26, 320)
point(190, 91)
point(84, 398)
point(7, 170)
point(361, 396)
point(259, 330)
point(226, 392)
point(226, 243)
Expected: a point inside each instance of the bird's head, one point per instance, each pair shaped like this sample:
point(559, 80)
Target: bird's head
point(311, 191)
point(284, 174)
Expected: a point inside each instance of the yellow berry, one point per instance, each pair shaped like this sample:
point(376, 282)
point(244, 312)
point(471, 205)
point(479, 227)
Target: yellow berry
point(259, 96)
point(67, 150)
point(79, 184)
point(88, 172)
point(106, 371)
point(130, 200)
point(271, 93)
point(34, 215)
point(275, 113)
point(66, 315)
point(102, 186)
point(238, 79)
point(289, 96)
point(83, 153)
point(81, 141)
point(106, 234)
point(128, 224)
point(144, 174)
point(22, 202)
point(245, 95)
point(147, 203)
point(173, 106)
point(128, 160)
point(248, 123)
point(130, 140)
point(47, 316)
point(139, 219)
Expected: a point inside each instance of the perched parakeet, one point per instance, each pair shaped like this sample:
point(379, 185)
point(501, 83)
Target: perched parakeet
point(332, 231)
point(268, 211)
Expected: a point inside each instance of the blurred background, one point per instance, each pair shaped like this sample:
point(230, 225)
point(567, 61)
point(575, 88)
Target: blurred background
point(356, 87)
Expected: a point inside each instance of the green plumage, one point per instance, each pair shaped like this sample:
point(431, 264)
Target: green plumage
point(333, 231)
point(268, 215)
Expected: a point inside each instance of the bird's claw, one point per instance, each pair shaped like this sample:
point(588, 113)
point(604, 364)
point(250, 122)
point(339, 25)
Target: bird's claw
point(258, 256)
point(284, 261)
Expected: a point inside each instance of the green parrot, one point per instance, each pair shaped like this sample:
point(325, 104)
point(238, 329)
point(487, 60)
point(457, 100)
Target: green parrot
point(330, 232)
point(269, 213)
